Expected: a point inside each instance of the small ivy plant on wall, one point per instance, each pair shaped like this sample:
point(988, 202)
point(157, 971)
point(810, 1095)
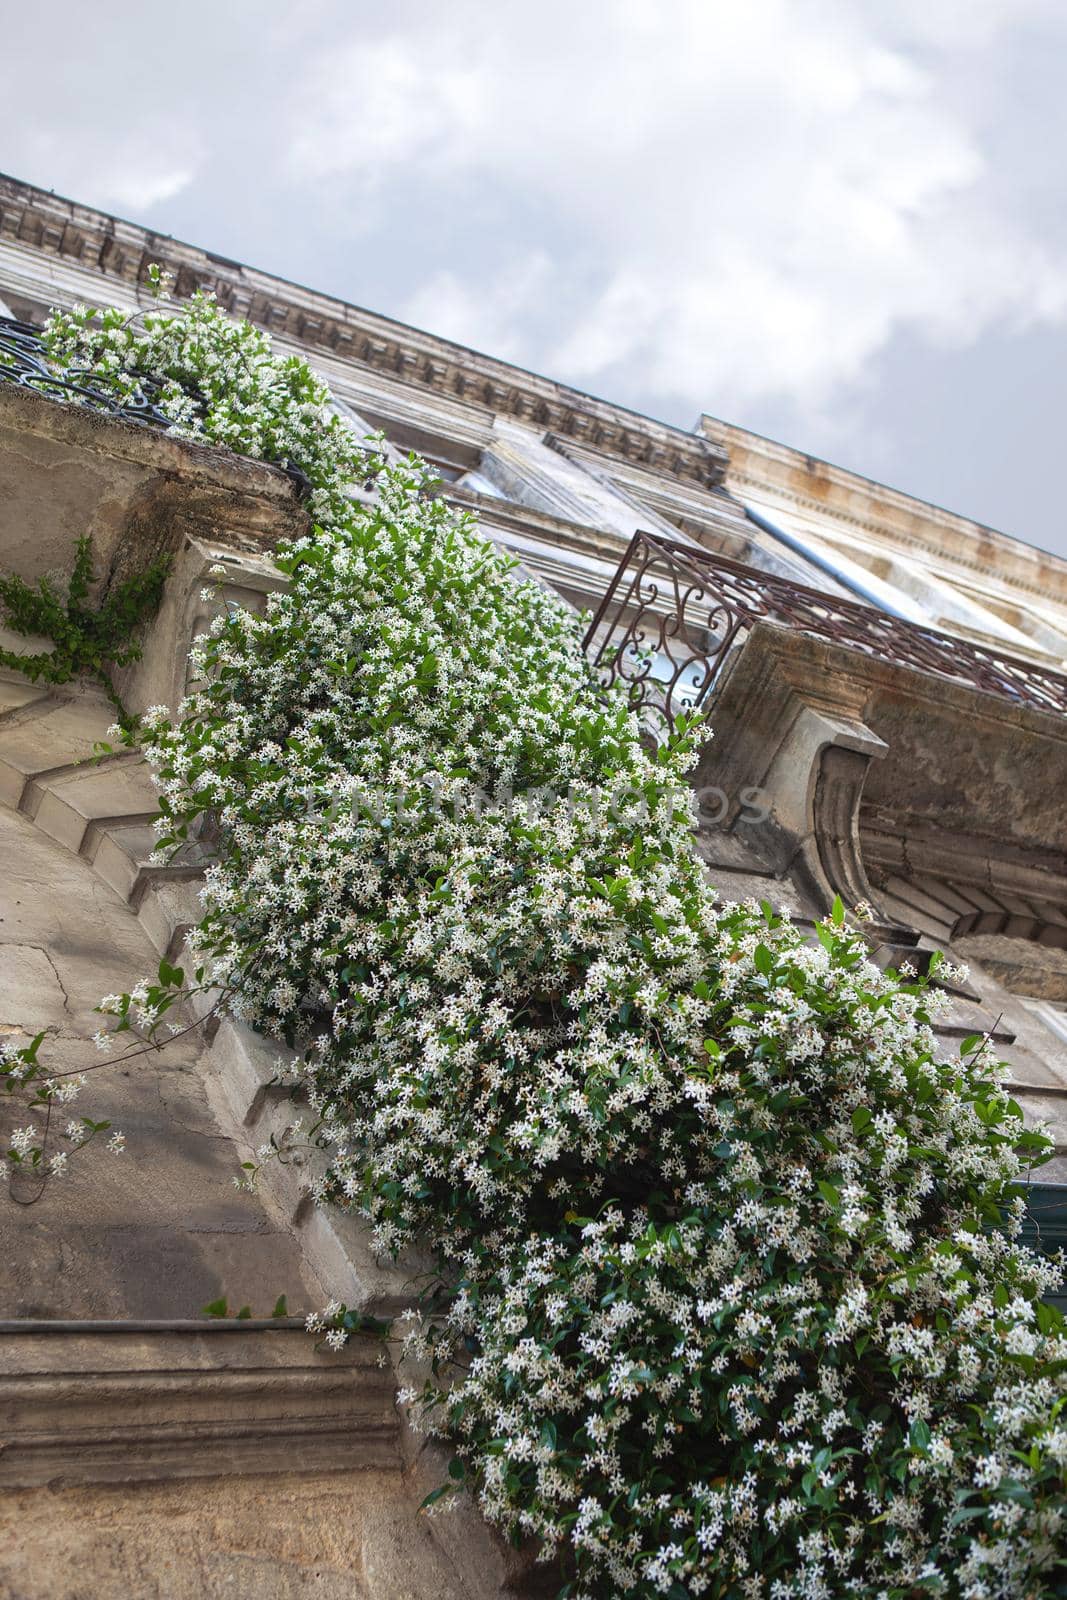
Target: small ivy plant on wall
point(87, 640)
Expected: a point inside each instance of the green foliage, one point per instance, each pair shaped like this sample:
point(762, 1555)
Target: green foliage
point(220, 1308)
point(41, 1093)
point(726, 1303)
point(89, 640)
point(217, 1308)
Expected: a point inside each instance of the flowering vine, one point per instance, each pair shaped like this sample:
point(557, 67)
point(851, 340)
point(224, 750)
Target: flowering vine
point(37, 1147)
point(731, 1299)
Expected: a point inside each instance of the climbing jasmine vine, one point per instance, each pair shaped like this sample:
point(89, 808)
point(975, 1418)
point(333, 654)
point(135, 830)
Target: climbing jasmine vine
point(731, 1298)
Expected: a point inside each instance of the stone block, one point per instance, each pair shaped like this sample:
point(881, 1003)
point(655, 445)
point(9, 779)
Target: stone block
point(119, 854)
point(117, 790)
point(17, 692)
point(167, 907)
point(62, 735)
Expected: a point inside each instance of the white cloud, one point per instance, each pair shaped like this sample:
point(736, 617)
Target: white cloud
point(737, 200)
point(97, 166)
point(736, 205)
point(489, 318)
point(375, 105)
point(139, 187)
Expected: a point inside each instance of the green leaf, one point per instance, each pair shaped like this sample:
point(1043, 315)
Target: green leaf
point(281, 1307)
point(920, 1434)
point(217, 1308)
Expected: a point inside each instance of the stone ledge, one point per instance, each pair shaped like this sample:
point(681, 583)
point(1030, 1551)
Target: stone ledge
point(96, 433)
point(117, 1407)
point(137, 491)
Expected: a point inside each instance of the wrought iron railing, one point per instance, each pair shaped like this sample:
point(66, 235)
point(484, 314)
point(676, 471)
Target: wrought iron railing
point(23, 362)
point(673, 614)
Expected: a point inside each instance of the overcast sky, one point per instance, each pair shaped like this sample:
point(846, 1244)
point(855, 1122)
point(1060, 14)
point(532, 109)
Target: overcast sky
point(839, 222)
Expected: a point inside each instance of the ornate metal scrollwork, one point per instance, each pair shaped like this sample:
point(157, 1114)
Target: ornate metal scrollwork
point(672, 614)
point(24, 362)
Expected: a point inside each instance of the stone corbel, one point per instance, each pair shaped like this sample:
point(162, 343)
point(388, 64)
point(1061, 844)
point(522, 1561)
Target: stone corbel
point(788, 723)
point(841, 773)
point(194, 595)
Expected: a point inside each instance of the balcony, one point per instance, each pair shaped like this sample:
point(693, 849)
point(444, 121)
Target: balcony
point(23, 362)
point(674, 617)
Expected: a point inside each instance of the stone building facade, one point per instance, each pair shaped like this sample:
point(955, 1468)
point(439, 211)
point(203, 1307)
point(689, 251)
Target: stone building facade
point(887, 683)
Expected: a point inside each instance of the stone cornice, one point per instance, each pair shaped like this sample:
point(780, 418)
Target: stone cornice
point(926, 548)
point(122, 251)
point(889, 516)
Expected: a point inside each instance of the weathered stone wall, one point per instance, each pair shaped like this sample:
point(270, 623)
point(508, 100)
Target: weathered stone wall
point(170, 1463)
point(165, 1461)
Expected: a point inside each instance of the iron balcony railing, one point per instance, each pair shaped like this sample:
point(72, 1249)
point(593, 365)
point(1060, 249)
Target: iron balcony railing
point(673, 613)
point(23, 362)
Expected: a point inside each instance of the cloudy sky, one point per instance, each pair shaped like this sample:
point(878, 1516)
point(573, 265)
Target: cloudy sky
point(839, 222)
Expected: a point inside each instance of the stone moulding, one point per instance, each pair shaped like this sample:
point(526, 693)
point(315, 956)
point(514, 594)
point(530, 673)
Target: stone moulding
point(114, 251)
point(121, 1408)
point(101, 812)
